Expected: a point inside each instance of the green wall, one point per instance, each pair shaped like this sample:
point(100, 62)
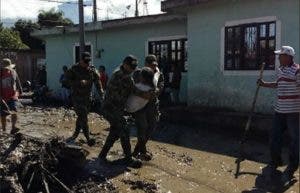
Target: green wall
point(207, 86)
point(116, 43)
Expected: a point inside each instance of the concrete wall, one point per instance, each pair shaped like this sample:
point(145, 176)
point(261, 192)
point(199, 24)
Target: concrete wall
point(207, 84)
point(116, 43)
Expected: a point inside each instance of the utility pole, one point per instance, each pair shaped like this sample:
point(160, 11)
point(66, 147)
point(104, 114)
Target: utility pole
point(95, 11)
point(145, 7)
point(107, 14)
point(81, 28)
point(136, 8)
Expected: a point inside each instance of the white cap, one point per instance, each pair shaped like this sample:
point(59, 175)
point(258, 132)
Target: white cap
point(288, 50)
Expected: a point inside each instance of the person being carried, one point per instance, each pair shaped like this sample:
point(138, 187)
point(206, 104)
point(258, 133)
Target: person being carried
point(135, 102)
point(10, 91)
point(119, 88)
point(147, 118)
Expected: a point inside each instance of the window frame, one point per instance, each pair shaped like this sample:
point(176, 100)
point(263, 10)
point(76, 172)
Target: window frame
point(248, 22)
point(168, 40)
point(86, 44)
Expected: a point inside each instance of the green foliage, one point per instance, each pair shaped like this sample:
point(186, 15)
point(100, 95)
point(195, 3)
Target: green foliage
point(10, 39)
point(52, 18)
point(25, 27)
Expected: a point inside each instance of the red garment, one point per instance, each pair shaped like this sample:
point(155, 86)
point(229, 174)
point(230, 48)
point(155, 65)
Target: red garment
point(8, 84)
point(103, 79)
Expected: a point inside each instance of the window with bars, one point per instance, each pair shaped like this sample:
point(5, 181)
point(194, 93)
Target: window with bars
point(248, 46)
point(88, 48)
point(170, 52)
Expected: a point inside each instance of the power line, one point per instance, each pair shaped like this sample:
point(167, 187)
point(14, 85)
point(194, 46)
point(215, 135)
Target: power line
point(57, 1)
point(65, 2)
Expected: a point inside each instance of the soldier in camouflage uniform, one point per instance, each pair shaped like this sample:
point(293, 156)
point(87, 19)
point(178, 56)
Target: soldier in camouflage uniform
point(120, 86)
point(80, 78)
point(147, 118)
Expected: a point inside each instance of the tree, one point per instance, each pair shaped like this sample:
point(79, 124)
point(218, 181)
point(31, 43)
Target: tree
point(10, 39)
point(25, 27)
point(52, 18)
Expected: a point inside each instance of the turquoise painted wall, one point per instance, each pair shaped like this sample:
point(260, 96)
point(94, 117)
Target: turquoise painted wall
point(116, 42)
point(207, 85)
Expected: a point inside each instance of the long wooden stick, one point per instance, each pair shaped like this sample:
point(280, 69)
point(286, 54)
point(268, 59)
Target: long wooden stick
point(57, 180)
point(247, 128)
point(30, 181)
point(46, 186)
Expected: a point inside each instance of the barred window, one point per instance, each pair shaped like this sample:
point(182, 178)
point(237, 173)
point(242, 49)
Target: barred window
point(170, 52)
point(88, 48)
point(248, 46)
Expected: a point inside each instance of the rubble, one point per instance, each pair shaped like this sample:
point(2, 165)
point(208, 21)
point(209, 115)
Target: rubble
point(30, 165)
point(93, 185)
point(180, 158)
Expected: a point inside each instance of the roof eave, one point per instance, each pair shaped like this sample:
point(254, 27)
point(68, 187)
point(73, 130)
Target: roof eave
point(142, 20)
point(159, 18)
point(66, 29)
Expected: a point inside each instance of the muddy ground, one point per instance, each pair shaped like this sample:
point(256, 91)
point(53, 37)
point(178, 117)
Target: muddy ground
point(195, 160)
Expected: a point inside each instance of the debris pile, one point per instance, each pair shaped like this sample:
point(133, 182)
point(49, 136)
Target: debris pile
point(31, 165)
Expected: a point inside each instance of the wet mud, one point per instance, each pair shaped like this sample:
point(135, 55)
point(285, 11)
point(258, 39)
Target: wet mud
point(185, 159)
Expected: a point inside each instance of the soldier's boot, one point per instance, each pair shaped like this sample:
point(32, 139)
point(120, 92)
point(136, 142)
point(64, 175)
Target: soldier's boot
point(137, 149)
point(129, 160)
point(133, 162)
point(288, 175)
point(144, 156)
point(140, 152)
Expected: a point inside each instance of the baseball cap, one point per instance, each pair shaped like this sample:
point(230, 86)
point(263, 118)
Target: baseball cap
point(131, 61)
point(288, 50)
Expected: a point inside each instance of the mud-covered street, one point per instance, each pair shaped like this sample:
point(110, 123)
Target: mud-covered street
point(194, 160)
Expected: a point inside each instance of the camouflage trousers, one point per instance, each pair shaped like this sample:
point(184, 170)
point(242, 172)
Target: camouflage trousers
point(119, 129)
point(146, 121)
point(82, 108)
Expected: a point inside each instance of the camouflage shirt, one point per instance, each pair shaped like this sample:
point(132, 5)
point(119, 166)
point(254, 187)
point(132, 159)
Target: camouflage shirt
point(76, 74)
point(120, 86)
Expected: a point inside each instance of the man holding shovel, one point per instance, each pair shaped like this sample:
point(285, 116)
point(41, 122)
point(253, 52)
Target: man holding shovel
point(287, 110)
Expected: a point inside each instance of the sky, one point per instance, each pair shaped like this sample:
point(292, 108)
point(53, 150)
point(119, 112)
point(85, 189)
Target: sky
point(11, 10)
